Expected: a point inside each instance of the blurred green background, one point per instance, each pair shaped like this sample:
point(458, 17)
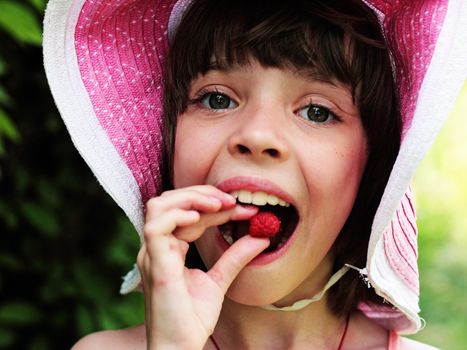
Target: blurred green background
point(440, 187)
point(64, 245)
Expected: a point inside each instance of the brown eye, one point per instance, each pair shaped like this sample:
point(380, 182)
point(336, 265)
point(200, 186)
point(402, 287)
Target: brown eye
point(317, 114)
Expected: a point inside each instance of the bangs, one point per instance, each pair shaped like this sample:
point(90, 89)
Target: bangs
point(311, 38)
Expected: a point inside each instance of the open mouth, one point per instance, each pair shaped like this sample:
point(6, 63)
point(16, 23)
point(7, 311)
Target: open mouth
point(285, 212)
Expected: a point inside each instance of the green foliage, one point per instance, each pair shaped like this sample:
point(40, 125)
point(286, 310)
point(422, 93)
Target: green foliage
point(64, 244)
point(20, 313)
point(6, 338)
point(39, 5)
point(41, 219)
point(7, 128)
point(441, 194)
point(20, 22)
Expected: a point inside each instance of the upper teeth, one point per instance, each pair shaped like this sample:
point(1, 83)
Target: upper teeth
point(258, 198)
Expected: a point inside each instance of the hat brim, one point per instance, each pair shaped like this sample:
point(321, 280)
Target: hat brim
point(104, 62)
point(392, 251)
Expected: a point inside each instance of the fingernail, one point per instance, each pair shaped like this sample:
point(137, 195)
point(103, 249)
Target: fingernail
point(244, 212)
point(192, 215)
point(227, 199)
point(215, 200)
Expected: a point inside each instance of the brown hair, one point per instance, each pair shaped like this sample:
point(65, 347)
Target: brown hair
point(334, 40)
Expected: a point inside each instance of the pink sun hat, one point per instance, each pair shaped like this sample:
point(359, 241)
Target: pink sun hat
point(104, 61)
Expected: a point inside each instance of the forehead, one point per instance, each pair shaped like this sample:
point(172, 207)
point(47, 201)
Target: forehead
point(252, 66)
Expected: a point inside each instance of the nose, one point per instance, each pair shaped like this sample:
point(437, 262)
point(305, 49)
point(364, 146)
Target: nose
point(260, 135)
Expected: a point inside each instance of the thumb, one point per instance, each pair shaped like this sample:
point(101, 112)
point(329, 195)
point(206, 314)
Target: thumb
point(235, 259)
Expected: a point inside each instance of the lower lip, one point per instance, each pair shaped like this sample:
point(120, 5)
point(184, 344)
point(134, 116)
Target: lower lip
point(262, 258)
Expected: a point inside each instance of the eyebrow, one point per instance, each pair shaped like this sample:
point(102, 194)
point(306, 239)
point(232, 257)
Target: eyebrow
point(333, 83)
point(312, 75)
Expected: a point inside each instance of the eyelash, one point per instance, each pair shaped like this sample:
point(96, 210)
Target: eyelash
point(206, 92)
point(334, 117)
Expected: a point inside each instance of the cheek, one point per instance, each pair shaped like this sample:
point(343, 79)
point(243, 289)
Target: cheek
point(348, 174)
point(335, 182)
point(180, 164)
point(351, 164)
point(192, 155)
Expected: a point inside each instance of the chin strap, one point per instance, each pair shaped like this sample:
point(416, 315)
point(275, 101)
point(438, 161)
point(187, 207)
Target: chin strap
point(300, 304)
point(363, 274)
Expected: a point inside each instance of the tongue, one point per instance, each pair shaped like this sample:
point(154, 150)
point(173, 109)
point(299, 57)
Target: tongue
point(264, 224)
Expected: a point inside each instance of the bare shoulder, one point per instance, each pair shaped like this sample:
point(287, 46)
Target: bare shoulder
point(128, 338)
point(365, 334)
point(410, 344)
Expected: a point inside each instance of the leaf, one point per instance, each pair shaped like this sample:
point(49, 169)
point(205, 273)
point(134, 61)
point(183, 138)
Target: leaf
point(3, 66)
point(129, 309)
point(40, 343)
point(84, 320)
point(40, 218)
point(7, 128)
point(20, 22)
point(123, 248)
point(9, 262)
point(19, 313)
point(38, 4)
point(92, 286)
point(48, 193)
point(8, 215)
point(5, 99)
point(23, 179)
point(106, 321)
point(7, 338)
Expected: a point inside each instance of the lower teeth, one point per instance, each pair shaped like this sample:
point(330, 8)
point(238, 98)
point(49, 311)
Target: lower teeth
point(228, 239)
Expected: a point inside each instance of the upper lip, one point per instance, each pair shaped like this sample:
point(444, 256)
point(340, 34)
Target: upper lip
point(254, 184)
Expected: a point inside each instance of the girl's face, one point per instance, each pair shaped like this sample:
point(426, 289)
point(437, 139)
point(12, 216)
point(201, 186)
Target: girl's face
point(284, 133)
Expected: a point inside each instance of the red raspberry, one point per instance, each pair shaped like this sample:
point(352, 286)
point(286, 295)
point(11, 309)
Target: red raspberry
point(264, 224)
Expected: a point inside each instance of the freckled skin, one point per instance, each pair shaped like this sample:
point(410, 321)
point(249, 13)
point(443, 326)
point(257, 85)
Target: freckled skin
point(265, 134)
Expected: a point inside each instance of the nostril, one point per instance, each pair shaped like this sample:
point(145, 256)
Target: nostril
point(274, 153)
point(268, 152)
point(243, 149)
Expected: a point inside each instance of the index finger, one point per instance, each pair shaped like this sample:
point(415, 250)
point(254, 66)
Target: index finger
point(201, 198)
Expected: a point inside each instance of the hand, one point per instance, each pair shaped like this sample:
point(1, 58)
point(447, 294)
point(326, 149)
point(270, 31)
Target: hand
point(183, 305)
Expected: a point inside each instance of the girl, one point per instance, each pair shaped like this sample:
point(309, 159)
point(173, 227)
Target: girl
point(269, 136)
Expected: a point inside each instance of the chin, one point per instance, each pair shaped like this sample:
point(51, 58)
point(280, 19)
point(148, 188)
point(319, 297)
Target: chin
point(249, 299)
point(250, 290)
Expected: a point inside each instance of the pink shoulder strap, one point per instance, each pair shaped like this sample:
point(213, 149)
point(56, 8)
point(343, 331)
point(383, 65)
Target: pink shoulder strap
point(393, 343)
